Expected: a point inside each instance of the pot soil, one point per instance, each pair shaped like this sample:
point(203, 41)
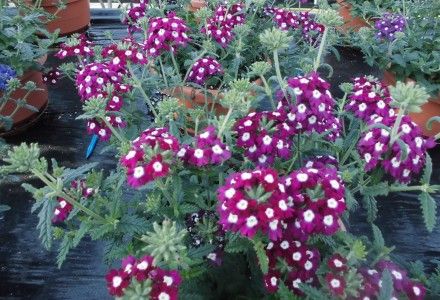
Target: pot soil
point(429, 109)
point(24, 118)
point(350, 23)
point(74, 18)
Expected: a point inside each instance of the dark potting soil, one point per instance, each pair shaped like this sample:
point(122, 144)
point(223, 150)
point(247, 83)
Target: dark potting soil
point(28, 271)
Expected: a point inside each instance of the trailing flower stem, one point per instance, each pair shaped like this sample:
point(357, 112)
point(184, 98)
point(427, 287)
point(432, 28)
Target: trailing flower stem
point(321, 50)
point(69, 199)
point(176, 67)
point(138, 84)
point(225, 121)
point(278, 71)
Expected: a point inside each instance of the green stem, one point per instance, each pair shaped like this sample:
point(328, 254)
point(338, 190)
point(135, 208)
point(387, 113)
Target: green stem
point(66, 197)
point(162, 70)
point(222, 128)
point(168, 196)
point(138, 85)
point(395, 129)
point(268, 91)
point(321, 50)
point(278, 72)
point(176, 67)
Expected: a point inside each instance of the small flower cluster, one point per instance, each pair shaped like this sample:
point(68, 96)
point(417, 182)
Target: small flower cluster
point(63, 209)
point(78, 45)
point(221, 24)
point(253, 201)
point(265, 136)
point(335, 279)
point(165, 284)
point(128, 51)
point(287, 19)
point(150, 156)
point(313, 108)
point(369, 97)
point(208, 150)
point(375, 148)
point(134, 13)
point(92, 82)
point(51, 76)
point(164, 34)
point(317, 196)
point(389, 25)
point(302, 262)
point(402, 284)
point(6, 74)
point(204, 68)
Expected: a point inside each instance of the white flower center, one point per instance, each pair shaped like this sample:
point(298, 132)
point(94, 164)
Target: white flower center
point(251, 221)
point(328, 220)
point(168, 280)
point(269, 178)
point(269, 212)
point(335, 283)
point(157, 166)
point(242, 204)
point(116, 281)
point(309, 216)
point(198, 153)
point(138, 172)
point(232, 218)
point(230, 193)
point(302, 177)
point(142, 266)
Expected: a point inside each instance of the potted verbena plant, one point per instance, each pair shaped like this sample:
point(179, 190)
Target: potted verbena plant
point(23, 95)
point(406, 48)
point(247, 205)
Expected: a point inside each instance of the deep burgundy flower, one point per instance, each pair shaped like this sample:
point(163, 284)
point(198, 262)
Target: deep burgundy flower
point(415, 291)
point(336, 284)
point(126, 51)
point(143, 267)
point(337, 263)
point(203, 69)
point(117, 281)
point(51, 76)
point(62, 211)
point(165, 34)
point(77, 45)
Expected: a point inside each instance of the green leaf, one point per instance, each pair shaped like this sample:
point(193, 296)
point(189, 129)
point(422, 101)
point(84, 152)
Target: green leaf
point(236, 244)
point(132, 224)
point(65, 246)
point(284, 293)
point(370, 204)
point(312, 292)
point(379, 241)
point(380, 189)
point(262, 257)
point(72, 174)
point(386, 291)
point(80, 233)
point(45, 222)
point(429, 208)
point(200, 252)
point(352, 203)
point(427, 171)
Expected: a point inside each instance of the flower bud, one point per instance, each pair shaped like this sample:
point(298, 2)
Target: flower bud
point(275, 39)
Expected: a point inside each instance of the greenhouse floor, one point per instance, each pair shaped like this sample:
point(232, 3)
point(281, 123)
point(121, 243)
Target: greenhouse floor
point(31, 273)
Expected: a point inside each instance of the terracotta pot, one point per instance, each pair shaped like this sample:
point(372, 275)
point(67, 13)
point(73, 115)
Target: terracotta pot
point(196, 5)
point(38, 99)
point(429, 109)
point(74, 18)
point(350, 23)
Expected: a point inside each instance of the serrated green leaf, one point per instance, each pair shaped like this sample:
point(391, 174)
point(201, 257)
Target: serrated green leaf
point(370, 204)
point(312, 292)
point(381, 189)
point(284, 293)
point(200, 252)
point(263, 260)
point(65, 246)
point(429, 208)
point(80, 233)
point(386, 291)
point(427, 171)
point(72, 174)
point(379, 241)
point(45, 222)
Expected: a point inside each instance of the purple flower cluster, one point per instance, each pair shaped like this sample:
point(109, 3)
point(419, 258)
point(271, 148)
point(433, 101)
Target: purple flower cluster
point(313, 108)
point(203, 69)
point(134, 13)
point(91, 82)
point(369, 97)
point(370, 101)
point(208, 150)
point(78, 46)
point(63, 209)
point(6, 74)
point(128, 51)
point(165, 283)
point(150, 156)
point(253, 201)
point(265, 136)
point(51, 76)
point(375, 148)
point(402, 284)
point(221, 24)
point(165, 34)
point(286, 19)
point(389, 25)
point(301, 260)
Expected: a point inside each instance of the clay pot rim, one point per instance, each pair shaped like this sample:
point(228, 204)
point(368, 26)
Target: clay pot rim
point(50, 3)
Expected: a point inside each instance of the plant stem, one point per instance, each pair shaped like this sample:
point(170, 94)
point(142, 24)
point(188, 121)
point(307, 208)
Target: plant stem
point(321, 50)
point(167, 195)
point(162, 70)
point(278, 72)
point(176, 67)
point(138, 85)
point(222, 128)
point(268, 91)
point(394, 136)
point(66, 197)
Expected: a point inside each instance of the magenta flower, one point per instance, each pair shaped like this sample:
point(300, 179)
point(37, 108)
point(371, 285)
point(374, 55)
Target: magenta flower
point(165, 34)
point(203, 69)
point(78, 46)
point(336, 284)
point(337, 263)
point(62, 211)
point(117, 281)
point(129, 50)
point(143, 267)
